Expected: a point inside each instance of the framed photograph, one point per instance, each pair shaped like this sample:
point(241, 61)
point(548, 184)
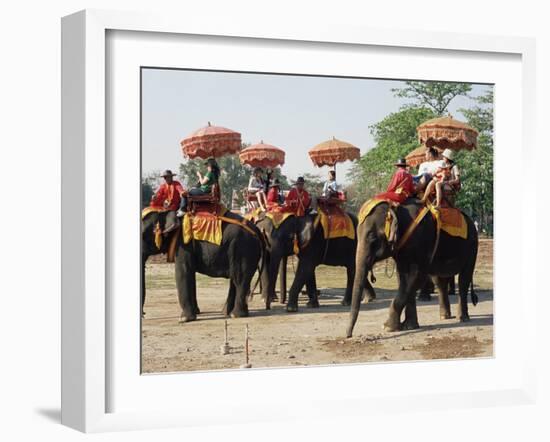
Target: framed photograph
point(247, 215)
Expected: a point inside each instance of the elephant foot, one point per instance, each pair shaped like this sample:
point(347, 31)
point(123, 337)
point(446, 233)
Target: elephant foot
point(197, 311)
point(312, 303)
point(446, 316)
point(464, 318)
point(409, 325)
point(291, 308)
point(187, 318)
point(345, 302)
point(370, 298)
point(392, 326)
point(239, 314)
point(424, 297)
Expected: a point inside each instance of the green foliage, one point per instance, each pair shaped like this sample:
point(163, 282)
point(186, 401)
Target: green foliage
point(314, 184)
point(434, 95)
point(148, 186)
point(476, 195)
point(395, 136)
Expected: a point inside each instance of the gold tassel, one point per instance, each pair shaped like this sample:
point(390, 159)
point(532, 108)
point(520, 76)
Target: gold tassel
point(296, 246)
point(158, 236)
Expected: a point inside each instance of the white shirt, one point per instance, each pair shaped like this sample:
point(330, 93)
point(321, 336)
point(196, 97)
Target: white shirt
point(330, 186)
point(430, 167)
point(255, 184)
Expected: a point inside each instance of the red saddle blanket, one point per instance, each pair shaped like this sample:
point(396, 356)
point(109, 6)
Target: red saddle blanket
point(204, 225)
point(336, 222)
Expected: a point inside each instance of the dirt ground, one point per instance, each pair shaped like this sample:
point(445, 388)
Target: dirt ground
point(311, 336)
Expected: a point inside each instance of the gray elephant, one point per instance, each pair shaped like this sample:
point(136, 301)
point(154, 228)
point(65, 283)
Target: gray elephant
point(280, 240)
point(421, 255)
point(237, 258)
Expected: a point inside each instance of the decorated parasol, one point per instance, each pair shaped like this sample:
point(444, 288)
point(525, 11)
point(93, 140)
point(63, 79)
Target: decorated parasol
point(418, 155)
point(211, 141)
point(333, 151)
point(262, 155)
point(447, 133)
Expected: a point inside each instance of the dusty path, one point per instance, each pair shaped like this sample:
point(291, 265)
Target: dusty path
point(311, 336)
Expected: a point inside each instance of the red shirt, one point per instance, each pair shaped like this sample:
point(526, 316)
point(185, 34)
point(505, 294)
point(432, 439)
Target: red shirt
point(400, 188)
point(273, 195)
point(168, 196)
point(298, 201)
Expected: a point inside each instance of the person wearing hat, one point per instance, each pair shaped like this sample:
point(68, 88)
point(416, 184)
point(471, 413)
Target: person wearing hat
point(446, 180)
point(204, 186)
point(274, 195)
point(298, 199)
point(256, 186)
point(168, 197)
point(401, 185)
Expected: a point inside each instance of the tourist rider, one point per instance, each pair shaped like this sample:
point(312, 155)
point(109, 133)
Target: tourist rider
point(168, 197)
point(205, 184)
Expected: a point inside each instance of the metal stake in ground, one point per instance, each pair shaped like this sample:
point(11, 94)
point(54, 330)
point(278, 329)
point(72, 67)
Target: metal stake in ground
point(225, 346)
point(247, 364)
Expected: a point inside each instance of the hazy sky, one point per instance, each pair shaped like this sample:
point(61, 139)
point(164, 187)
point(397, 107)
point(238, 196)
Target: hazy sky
point(291, 112)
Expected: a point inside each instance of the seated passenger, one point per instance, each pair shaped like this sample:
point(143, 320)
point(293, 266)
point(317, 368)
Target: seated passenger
point(428, 168)
point(204, 186)
point(256, 186)
point(298, 200)
point(331, 188)
point(168, 197)
point(401, 185)
point(446, 180)
point(274, 197)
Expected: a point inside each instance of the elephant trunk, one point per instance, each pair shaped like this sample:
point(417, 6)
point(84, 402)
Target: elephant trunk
point(361, 269)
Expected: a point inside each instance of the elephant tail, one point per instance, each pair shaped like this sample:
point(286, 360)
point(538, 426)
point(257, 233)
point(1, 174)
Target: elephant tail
point(473, 294)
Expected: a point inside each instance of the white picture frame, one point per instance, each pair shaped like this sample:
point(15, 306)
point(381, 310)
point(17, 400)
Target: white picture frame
point(87, 213)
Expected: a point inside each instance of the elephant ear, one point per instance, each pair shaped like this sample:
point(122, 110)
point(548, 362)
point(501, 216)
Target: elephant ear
point(305, 230)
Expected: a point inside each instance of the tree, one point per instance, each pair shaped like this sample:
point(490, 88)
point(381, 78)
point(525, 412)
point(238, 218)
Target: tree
point(435, 95)
point(394, 136)
point(476, 194)
point(149, 183)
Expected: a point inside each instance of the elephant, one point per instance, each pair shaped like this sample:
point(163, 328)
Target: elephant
point(314, 250)
point(236, 258)
point(279, 246)
point(414, 262)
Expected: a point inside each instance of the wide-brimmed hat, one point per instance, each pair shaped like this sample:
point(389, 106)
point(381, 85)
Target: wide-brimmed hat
point(401, 162)
point(300, 180)
point(275, 183)
point(449, 154)
point(167, 172)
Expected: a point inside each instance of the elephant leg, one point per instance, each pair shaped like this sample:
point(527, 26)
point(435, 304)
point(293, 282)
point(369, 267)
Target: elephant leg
point(230, 301)
point(444, 305)
point(408, 281)
point(368, 290)
point(411, 313)
point(350, 272)
point(282, 279)
point(312, 292)
point(464, 281)
point(265, 283)
point(452, 287)
point(426, 290)
point(186, 285)
point(240, 309)
point(303, 274)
